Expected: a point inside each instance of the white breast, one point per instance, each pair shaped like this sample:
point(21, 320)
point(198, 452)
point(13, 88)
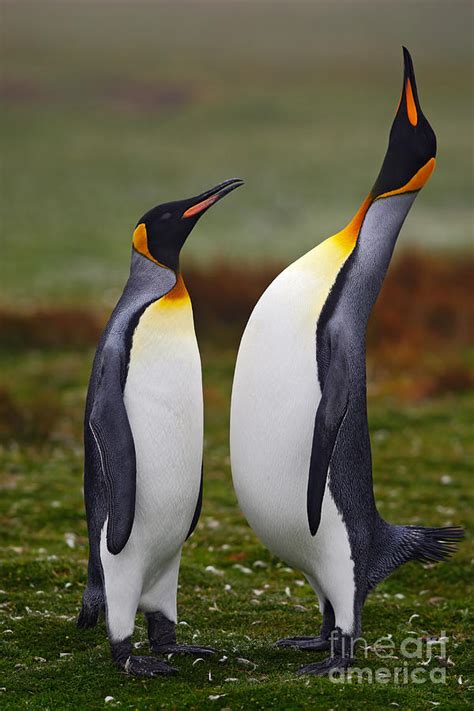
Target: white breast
point(275, 397)
point(163, 399)
point(274, 400)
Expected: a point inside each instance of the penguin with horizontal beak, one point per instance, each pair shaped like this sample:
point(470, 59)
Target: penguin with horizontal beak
point(143, 436)
point(300, 445)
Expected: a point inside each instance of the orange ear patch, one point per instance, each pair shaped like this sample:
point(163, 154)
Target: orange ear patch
point(140, 242)
point(411, 106)
point(416, 183)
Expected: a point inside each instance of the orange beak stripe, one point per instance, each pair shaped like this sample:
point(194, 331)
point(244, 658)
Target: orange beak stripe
point(196, 209)
point(411, 106)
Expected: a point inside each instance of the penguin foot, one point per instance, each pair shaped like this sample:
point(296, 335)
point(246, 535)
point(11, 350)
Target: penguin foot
point(162, 636)
point(138, 666)
point(87, 618)
point(309, 644)
point(329, 666)
point(147, 666)
point(182, 649)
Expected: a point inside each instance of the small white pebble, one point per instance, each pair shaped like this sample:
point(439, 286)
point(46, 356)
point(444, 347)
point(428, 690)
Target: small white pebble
point(214, 571)
point(214, 697)
point(227, 587)
point(70, 539)
point(246, 662)
point(242, 568)
point(108, 699)
point(446, 479)
point(399, 596)
point(68, 585)
point(260, 564)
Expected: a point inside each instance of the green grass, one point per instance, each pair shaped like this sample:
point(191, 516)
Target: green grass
point(43, 578)
point(111, 108)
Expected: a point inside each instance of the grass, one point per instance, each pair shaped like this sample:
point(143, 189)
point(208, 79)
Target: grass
point(46, 663)
point(110, 108)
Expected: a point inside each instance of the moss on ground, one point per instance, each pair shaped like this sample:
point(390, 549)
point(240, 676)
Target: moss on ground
point(421, 463)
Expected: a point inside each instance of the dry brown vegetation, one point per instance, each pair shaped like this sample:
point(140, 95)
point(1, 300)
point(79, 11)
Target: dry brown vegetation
point(418, 338)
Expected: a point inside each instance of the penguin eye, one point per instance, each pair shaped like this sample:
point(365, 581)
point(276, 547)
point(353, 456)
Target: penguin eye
point(166, 216)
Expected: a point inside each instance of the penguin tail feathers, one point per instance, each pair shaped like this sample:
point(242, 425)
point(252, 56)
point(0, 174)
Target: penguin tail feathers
point(400, 544)
point(93, 603)
point(430, 545)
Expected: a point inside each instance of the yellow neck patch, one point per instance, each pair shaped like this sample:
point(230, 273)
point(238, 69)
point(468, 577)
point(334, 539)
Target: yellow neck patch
point(178, 296)
point(347, 238)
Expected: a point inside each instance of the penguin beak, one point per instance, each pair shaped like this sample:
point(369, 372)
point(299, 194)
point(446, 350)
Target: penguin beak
point(409, 102)
point(205, 200)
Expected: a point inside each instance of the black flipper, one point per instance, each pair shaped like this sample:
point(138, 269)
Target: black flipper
point(329, 416)
point(111, 429)
point(197, 511)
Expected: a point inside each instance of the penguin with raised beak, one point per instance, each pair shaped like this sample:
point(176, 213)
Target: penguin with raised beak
point(300, 445)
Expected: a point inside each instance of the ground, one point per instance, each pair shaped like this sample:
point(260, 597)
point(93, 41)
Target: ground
point(247, 599)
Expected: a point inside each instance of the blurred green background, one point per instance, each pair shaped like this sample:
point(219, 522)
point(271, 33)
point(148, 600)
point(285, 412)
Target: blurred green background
point(109, 108)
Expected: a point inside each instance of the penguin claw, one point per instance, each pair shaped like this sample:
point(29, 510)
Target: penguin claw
point(148, 666)
point(308, 644)
point(183, 649)
point(329, 665)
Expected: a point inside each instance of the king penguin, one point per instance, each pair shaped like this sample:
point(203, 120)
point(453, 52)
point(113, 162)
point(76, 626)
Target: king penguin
point(144, 441)
point(300, 446)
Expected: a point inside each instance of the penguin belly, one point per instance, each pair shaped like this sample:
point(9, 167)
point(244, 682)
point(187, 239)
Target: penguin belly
point(163, 400)
point(275, 397)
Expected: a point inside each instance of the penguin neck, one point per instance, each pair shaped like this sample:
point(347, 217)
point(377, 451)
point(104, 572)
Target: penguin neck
point(373, 250)
point(147, 282)
point(150, 276)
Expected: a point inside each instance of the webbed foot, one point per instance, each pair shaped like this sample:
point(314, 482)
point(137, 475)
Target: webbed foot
point(328, 666)
point(309, 644)
point(138, 666)
point(182, 649)
point(147, 666)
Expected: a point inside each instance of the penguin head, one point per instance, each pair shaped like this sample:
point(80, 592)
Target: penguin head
point(162, 231)
point(412, 144)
